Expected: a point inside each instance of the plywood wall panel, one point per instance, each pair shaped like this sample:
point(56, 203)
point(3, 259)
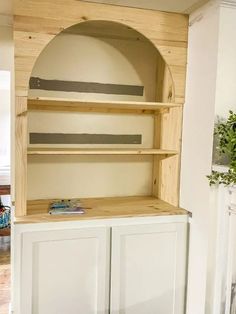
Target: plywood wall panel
point(21, 156)
point(36, 23)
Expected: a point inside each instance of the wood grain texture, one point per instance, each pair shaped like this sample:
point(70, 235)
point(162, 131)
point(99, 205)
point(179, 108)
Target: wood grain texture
point(99, 151)
point(98, 208)
point(171, 137)
point(58, 104)
point(167, 134)
point(36, 23)
point(21, 157)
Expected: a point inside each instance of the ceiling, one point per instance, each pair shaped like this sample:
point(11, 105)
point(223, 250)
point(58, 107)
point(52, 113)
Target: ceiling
point(180, 6)
point(183, 6)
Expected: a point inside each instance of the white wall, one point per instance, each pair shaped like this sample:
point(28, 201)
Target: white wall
point(104, 60)
point(6, 46)
point(198, 126)
point(226, 67)
point(225, 101)
point(6, 97)
point(5, 141)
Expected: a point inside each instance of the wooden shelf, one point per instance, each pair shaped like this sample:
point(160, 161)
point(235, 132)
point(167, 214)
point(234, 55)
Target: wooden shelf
point(103, 208)
point(59, 104)
point(99, 151)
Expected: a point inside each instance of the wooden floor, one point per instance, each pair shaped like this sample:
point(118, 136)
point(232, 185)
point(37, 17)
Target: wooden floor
point(4, 274)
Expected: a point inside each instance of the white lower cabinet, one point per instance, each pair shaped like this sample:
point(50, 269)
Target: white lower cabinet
point(126, 269)
point(148, 273)
point(65, 272)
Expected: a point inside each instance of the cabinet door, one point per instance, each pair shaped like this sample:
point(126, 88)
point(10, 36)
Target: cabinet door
point(65, 271)
point(148, 269)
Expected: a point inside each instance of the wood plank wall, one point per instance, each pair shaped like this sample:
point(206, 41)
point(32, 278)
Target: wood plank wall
point(36, 23)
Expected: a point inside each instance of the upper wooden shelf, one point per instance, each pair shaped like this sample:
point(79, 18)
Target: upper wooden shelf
point(59, 104)
point(99, 151)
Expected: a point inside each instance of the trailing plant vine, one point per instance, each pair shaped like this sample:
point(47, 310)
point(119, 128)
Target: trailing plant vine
point(226, 134)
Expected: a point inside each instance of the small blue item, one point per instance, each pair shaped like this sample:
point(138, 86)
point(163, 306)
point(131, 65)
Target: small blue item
point(5, 218)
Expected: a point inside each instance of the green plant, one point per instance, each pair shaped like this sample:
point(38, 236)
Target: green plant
point(226, 134)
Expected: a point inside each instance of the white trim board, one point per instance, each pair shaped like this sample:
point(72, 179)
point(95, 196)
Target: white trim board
point(228, 4)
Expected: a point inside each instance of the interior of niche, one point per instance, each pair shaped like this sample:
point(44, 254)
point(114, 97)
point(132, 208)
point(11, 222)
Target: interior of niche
point(106, 53)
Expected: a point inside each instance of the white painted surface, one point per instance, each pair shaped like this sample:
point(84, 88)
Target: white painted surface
point(226, 67)
point(230, 307)
point(162, 5)
point(6, 93)
point(198, 126)
point(102, 60)
point(65, 271)
point(87, 176)
point(5, 127)
point(43, 251)
point(148, 272)
point(217, 251)
point(6, 104)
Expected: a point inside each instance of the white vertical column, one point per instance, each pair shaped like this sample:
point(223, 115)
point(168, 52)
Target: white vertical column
point(199, 112)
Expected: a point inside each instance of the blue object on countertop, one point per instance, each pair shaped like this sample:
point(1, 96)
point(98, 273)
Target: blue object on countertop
point(5, 216)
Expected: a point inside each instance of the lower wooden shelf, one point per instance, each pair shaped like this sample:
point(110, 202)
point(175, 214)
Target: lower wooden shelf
point(103, 208)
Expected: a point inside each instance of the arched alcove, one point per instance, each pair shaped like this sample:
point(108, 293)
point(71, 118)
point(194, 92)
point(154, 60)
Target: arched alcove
point(150, 61)
point(101, 52)
point(93, 61)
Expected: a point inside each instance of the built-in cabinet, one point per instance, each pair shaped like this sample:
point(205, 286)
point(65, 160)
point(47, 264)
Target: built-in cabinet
point(131, 268)
point(166, 33)
point(127, 254)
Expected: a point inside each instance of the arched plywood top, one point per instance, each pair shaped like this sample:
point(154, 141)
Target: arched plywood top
point(36, 23)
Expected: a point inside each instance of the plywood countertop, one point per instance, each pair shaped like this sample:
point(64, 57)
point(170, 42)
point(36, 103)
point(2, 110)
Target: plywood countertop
point(103, 208)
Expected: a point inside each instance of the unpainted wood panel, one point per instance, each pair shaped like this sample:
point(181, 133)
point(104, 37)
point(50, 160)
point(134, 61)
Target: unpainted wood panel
point(104, 151)
point(154, 24)
point(105, 207)
point(29, 43)
point(171, 137)
point(37, 22)
point(167, 133)
point(174, 55)
point(178, 74)
point(55, 104)
point(21, 156)
point(160, 25)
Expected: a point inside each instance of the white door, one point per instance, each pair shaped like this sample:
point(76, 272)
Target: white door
point(65, 271)
point(148, 269)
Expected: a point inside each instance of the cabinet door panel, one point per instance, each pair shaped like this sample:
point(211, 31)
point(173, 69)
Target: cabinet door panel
point(148, 269)
point(65, 272)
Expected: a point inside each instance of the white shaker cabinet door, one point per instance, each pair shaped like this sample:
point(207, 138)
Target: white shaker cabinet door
point(148, 273)
point(65, 271)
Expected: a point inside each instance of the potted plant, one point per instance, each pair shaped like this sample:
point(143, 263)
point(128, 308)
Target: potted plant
point(226, 137)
